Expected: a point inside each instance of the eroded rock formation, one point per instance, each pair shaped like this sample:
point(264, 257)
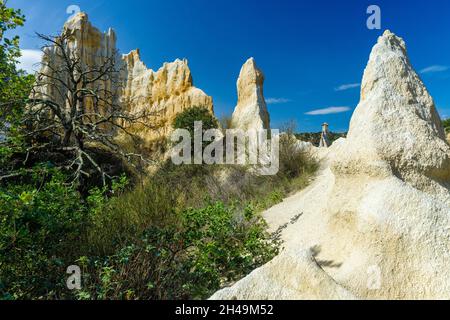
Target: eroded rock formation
point(163, 93)
point(376, 222)
point(396, 129)
point(251, 110)
point(84, 42)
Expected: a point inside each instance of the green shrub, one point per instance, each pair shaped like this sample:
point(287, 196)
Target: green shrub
point(294, 162)
point(147, 245)
point(41, 225)
point(169, 238)
point(123, 219)
point(186, 119)
point(446, 124)
point(208, 248)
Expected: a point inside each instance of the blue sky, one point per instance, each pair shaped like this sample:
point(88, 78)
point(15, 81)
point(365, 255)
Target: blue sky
point(313, 53)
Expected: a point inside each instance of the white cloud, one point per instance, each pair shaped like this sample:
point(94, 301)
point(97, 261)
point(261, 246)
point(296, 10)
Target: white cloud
point(347, 86)
point(433, 69)
point(330, 110)
point(29, 61)
point(277, 100)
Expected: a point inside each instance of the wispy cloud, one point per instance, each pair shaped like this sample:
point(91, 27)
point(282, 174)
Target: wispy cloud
point(347, 86)
point(30, 59)
point(434, 68)
point(277, 100)
point(330, 110)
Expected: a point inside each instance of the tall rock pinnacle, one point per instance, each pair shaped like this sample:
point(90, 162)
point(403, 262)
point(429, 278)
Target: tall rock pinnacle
point(87, 41)
point(166, 92)
point(396, 128)
point(251, 110)
point(375, 223)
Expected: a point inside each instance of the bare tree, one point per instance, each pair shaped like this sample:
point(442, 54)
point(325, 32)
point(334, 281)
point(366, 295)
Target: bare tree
point(74, 109)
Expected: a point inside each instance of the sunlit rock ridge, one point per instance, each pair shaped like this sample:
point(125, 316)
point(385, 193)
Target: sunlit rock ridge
point(163, 93)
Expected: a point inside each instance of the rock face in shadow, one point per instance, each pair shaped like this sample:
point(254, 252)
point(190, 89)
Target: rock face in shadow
point(251, 110)
point(379, 209)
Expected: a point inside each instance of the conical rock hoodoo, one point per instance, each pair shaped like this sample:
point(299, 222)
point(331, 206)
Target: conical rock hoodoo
point(376, 222)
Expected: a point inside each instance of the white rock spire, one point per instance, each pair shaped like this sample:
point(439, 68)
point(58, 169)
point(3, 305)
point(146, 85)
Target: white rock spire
point(251, 110)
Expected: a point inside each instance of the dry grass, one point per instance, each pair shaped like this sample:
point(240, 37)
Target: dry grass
point(172, 189)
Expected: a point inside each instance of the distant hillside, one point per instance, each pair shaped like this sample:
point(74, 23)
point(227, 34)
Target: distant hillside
point(314, 138)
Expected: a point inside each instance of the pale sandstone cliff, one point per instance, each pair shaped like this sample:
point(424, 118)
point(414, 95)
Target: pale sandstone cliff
point(376, 222)
point(163, 93)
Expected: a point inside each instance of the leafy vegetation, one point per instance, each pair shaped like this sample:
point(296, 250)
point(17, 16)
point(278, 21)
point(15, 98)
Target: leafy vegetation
point(186, 231)
point(15, 86)
point(186, 119)
point(183, 233)
point(182, 255)
point(143, 243)
point(13, 83)
point(41, 223)
point(446, 124)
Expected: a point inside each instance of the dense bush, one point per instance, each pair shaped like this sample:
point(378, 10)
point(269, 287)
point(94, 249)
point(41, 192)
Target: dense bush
point(41, 225)
point(145, 243)
point(184, 233)
point(186, 119)
point(446, 124)
point(15, 86)
point(294, 162)
point(190, 259)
